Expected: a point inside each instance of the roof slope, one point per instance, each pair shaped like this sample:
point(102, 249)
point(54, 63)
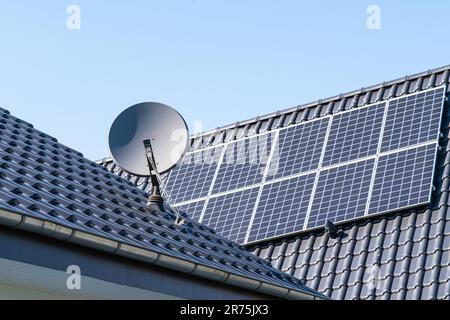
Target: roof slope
point(43, 180)
point(401, 255)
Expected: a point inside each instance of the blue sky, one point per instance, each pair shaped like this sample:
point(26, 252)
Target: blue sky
point(215, 61)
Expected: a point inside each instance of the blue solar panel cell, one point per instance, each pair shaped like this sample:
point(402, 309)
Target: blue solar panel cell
point(341, 193)
point(403, 179)
point(354, 134)
point(192, 179)
point(230, 214)
point(299, 149)
point(244, 163)
point(282, 207)
point(413, 119)
point(193, 209)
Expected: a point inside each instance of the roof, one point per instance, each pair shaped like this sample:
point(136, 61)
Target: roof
point(400, 255)
point(50, 189)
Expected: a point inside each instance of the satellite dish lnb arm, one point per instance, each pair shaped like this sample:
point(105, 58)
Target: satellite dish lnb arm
point(155, 197)
point(151, 162)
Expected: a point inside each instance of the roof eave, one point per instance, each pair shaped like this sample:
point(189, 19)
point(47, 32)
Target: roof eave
point(50, 229)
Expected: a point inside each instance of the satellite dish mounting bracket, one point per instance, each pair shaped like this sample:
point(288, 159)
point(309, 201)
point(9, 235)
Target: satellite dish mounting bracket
point(155, 197)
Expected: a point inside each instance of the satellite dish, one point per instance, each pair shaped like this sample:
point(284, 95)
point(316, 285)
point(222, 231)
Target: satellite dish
point(149, 139)
point(161, 126)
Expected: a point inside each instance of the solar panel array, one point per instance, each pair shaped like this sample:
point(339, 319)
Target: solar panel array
point(368, 160)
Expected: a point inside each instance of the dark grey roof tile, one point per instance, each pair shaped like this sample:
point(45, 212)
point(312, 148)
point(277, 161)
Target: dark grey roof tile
point(337, 283)
point(319, 282)
point(278, 251)
point(340, 266)
point(287, 265)
point(290, 118)
point(350, 293)
point(446, 241)
point(292, 247)
point(396, 284)
point(304, 246)
point(428, 292)
point(252, 128)
point(443, 291)
point(314, 112)
point(327, 109)
point(357, 260)
point(266, 252)
point(301, 116)
point(334, 294)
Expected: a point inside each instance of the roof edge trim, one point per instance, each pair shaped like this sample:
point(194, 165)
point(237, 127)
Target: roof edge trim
point(46, 228)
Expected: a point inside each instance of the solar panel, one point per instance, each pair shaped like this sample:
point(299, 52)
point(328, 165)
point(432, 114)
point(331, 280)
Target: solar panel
point(282, 208)
point(193, 209)
point(341, 193)
point(230, 214)
point(403, 179)
point(354, 134)
point(299, 149)
point(193, 177)
point(413, 119)
point(243, 163)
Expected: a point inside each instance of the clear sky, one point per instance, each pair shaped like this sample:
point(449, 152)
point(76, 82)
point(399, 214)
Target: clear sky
point(216, 61)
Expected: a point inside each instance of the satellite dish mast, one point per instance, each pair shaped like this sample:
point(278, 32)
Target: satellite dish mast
point(149, 139)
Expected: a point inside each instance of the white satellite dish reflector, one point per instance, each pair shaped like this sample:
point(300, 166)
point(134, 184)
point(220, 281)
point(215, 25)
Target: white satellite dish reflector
point(149, 139)
point(160, 125)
